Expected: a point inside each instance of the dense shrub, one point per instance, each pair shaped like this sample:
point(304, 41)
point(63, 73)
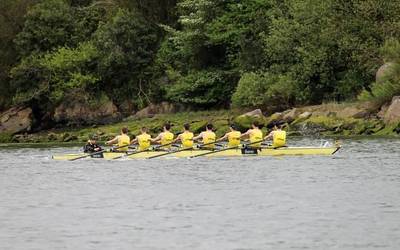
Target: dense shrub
point(389, 86)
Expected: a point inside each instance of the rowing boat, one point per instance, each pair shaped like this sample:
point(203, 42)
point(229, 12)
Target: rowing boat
point(266, 151)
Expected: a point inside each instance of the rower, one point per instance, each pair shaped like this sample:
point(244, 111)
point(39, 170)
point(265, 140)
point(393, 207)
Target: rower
point(233, 136)
point(91, 145)
point(278, 136)
point(207, 137)
point(186, 137)
point(121, 140)
point(254, 134)
point(144, 140)
point(165, 137)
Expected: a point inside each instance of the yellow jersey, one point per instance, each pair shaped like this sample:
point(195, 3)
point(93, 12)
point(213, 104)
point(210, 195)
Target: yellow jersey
point(167, 138)
point(123, 140)
point(187, 139)
point(279, 139)
point(234, 138)
point(256, 135)
point(144, 141)
point(209, 137)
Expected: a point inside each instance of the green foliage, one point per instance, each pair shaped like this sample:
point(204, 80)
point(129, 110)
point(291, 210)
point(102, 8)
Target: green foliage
point(389, 86)
point(48, 24)
point(53, 75)
point(127, 47)
point(270, 54)
point(11, 21)
point(200, 89)
point(264, 90)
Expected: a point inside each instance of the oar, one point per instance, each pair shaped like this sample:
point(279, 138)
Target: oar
point(177, 151)
point(98, 152)
point(140, 151)
point(224, 149)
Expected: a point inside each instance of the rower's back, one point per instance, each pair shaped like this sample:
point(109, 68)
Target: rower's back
point(208, 137)
point(124, 140)
point(279, 138)
point(144, 140)
point(186, 137)
point(255, 137)
point(234, 138)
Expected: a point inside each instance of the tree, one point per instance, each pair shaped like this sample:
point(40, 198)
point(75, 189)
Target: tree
point(127, 46)
point(11, 22)
point(49, 25)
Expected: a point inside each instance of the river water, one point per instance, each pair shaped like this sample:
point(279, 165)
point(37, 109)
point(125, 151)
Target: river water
point(347, 201)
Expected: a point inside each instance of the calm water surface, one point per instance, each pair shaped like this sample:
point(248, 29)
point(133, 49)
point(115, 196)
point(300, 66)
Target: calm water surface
point(347, 201)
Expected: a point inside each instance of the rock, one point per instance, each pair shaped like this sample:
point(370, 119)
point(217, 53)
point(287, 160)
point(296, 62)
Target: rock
point(81, 113)
point(67, 137)
point(382, 71)
point(254, 113)
point(290, 115)
point(305, 115)
point(153, 109)
point(274, 118)
point(16, 120)
point(392, 115)
point(244, 122)
point(52, 137)
point(352, 112)
point(382, 111)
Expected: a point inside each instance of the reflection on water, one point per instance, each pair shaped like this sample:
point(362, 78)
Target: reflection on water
point(346, 201)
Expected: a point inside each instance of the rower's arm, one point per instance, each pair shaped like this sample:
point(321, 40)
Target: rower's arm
point(198, 137)
point(246, 134)
point(269, 136)
point(224, 137)
point(113, 141)
point(158, 138)
point(177, 139)
point(134, 141)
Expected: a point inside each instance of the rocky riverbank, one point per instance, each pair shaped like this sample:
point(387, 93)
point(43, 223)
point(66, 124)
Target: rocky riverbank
point(347, 119)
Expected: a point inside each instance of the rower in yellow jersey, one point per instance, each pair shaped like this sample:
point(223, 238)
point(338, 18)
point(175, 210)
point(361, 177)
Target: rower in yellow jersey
point(278, 136)
point(254, 134)
point(165, 137)
point(207, 137)
point(186, 137)
point(233, 137)
point(144, 140)
point(121, 140)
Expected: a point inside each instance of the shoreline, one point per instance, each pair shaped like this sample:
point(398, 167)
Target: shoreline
point(330, 120)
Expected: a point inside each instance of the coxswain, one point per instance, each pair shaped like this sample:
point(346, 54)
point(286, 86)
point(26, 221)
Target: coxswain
point(143, 140)
point(207, 137)
point(165, 137)
point(278, 136)
point(254, 134)
point(233, 136)
point(91, 145)
point(186, 137)
point(122, 141)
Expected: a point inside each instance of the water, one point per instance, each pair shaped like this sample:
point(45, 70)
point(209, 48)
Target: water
point(347, 201)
